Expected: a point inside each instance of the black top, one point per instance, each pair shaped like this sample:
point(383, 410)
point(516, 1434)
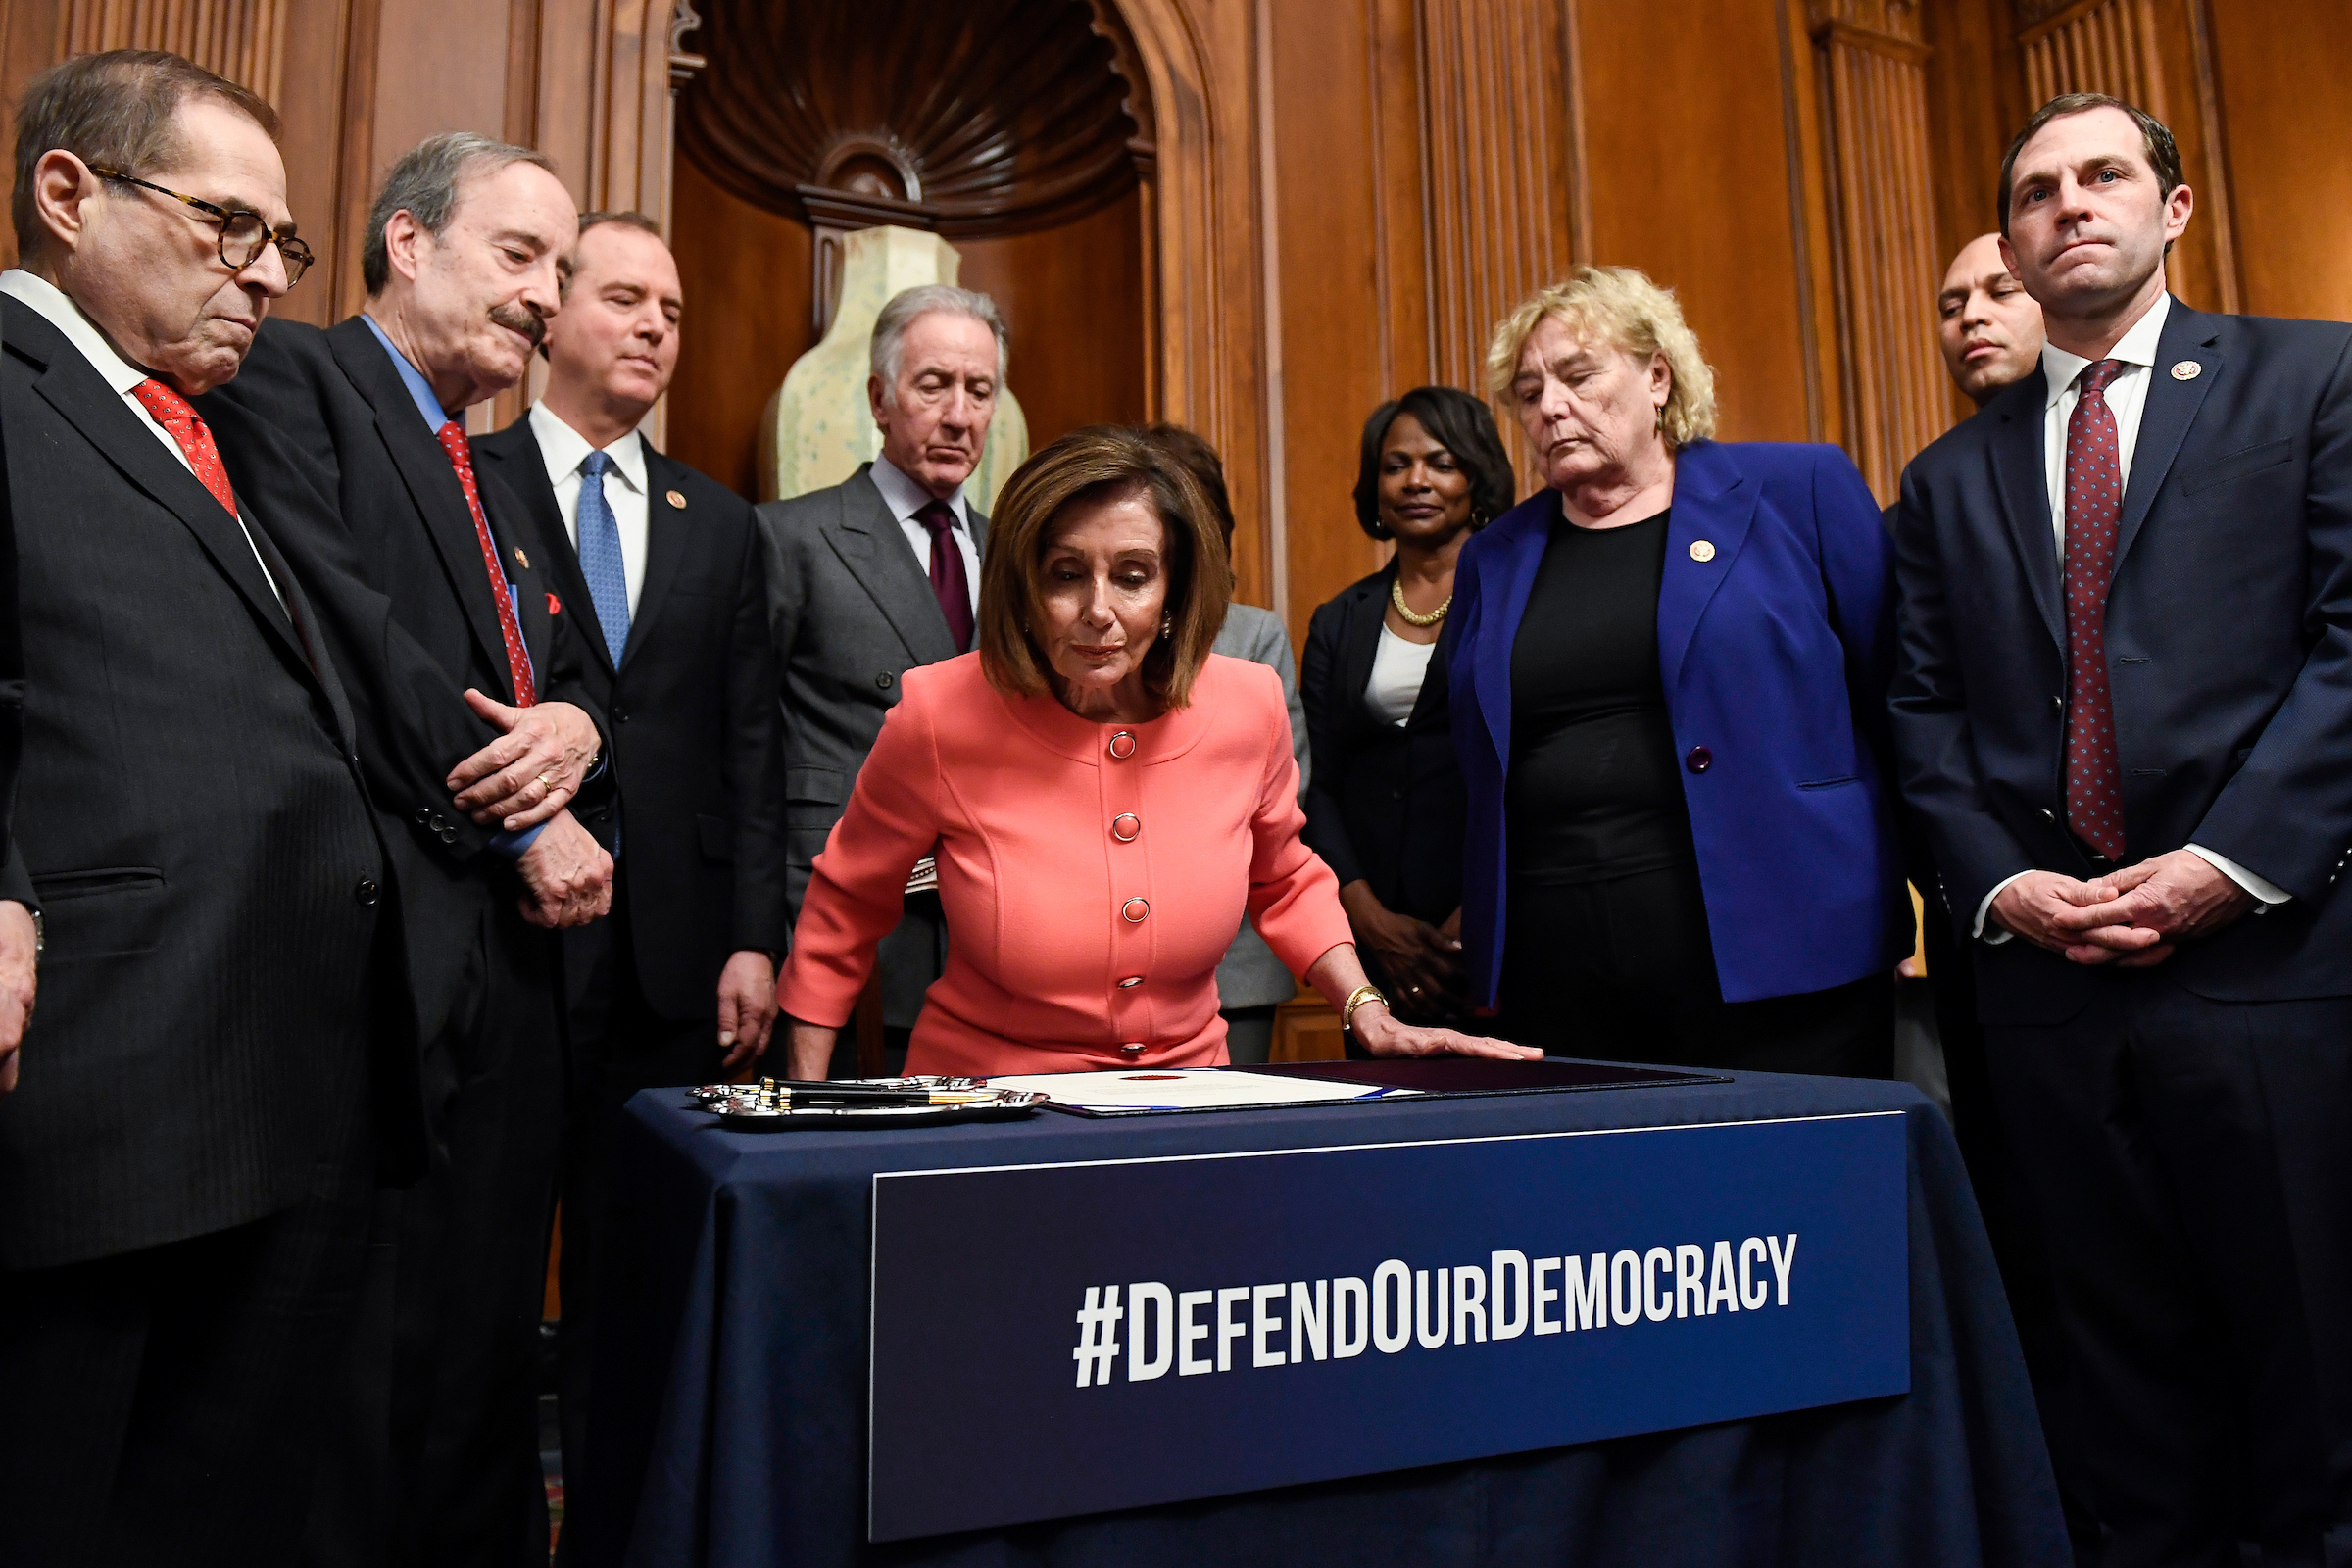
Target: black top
point(1593, 789)
point(1385, 802)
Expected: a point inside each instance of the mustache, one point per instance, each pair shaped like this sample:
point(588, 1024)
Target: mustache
point(520, 318)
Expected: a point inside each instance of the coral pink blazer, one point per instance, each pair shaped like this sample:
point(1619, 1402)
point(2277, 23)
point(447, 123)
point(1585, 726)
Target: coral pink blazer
point(1091, 874)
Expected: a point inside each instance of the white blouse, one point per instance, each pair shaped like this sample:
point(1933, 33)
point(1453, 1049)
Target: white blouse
point(1398, 669)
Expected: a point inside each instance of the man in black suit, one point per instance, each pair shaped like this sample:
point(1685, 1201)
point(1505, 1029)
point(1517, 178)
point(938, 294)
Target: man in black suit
point(186, 1163)
point(663, 565)
point(2125, 710)
point(877, 574)
point(358, 430)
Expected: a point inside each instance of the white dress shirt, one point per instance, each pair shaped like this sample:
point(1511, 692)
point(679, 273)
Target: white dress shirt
point(904, 498)
point(625, 489)
point(2127, 399)
point(58, 309)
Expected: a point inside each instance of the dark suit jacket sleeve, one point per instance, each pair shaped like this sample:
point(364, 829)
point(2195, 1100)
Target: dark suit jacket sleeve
point(1318, 677)
point(756, 759)
point(414, 722)
point(2287, 814)
point(1974, 853)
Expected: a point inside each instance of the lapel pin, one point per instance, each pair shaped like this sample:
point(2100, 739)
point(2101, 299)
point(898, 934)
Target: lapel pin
point(2188, 370)
point(522, 559)
point(677, 499)
point(1702, 550)
point(555, 606)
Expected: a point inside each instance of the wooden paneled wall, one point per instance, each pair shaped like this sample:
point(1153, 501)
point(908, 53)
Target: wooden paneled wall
point(1348, 193)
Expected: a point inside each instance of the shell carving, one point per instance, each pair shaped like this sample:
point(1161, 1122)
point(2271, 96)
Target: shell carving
point(983, 117)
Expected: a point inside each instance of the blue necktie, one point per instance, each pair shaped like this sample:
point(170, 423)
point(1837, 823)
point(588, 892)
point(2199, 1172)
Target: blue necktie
point(599, 556)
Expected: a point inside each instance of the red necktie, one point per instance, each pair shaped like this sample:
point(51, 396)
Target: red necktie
point(519, 664)
point(2094, 508)
point(180, 419)
point(949, 584)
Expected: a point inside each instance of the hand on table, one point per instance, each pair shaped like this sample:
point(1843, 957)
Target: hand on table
point(19, 979)
point(747, 1008)
point(1382, 1036)
point(533, 771)
point(566, 875)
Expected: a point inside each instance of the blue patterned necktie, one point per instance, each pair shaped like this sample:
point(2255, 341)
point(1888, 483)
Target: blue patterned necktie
point(599, 556)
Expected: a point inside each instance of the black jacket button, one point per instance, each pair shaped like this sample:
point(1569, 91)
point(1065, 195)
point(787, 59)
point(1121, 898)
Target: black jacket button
point(886, 680)
point(1699, 759)
point(366, 892)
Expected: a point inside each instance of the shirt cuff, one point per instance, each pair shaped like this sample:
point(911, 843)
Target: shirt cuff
point(2268, 893)
point(1998, 935)
point(514, 845)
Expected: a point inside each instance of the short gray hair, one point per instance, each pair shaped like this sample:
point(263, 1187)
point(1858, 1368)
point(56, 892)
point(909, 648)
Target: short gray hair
point(910, 305)
point(425, 186)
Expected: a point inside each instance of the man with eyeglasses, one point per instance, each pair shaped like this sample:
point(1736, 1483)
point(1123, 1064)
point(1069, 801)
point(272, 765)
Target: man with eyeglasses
point(185, 1162)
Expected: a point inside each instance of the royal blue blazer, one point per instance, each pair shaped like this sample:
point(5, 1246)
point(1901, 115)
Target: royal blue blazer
point(1776, 651)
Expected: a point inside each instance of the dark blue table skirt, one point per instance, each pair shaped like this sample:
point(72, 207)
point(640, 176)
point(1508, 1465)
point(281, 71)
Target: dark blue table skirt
point(729, 1419)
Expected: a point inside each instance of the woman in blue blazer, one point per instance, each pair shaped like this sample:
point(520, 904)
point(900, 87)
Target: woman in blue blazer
point(1668, 689)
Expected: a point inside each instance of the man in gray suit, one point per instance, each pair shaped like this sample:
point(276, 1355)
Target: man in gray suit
point(875, 576)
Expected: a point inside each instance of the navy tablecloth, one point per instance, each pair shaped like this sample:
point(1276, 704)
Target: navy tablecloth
point(728, 1426)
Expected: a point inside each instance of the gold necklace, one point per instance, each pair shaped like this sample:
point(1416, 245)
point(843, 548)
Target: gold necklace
point(1397, 598)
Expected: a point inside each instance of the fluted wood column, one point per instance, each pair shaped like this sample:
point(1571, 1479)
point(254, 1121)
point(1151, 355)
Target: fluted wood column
point(1873, 89)
point(243, 40)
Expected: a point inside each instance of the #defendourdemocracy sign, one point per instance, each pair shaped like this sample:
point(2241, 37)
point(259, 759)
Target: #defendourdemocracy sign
point(1059, 1340)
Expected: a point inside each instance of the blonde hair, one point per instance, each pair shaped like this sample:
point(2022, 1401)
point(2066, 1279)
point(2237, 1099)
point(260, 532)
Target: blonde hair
point(1101, 463)
point(1621, 306)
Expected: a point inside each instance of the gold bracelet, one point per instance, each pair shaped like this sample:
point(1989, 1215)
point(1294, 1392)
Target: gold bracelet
point(1357, 999)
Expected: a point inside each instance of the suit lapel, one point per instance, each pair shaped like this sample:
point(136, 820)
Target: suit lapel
point(1362, 649)
point(1516, 553)
point(1713, 508)
point(432, 484)
point(2165, 418)
point(73, 386)
point(665, 539)
point(869, 543)
point(2021, 478)
point(515, 456)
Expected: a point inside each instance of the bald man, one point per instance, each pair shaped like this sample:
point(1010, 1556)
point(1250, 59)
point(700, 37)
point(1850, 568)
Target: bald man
point(1988, 326)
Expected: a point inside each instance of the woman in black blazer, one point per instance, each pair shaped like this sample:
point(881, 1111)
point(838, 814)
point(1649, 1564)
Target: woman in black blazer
point(1385, 805)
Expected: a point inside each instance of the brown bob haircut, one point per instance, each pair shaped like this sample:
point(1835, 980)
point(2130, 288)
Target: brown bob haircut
point(1101, 463)
point(120, 109)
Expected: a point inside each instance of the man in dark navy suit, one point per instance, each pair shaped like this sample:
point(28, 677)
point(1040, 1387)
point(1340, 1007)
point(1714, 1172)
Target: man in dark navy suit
point(2124, 708)
point(663, 568)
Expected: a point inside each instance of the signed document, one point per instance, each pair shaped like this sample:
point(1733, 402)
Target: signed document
point(1185, 1089)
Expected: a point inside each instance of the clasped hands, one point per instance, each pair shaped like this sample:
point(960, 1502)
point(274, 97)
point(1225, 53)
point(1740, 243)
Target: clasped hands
point(526, 778)
point(2133, 918)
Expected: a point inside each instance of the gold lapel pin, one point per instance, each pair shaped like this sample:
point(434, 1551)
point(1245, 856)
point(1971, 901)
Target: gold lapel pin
point(1702, 550)
point(522, 559)
point(2188, 370)
point(677, 499)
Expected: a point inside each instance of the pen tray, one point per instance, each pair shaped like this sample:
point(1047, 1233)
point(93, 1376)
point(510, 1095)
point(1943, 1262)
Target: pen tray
point(744, 1109)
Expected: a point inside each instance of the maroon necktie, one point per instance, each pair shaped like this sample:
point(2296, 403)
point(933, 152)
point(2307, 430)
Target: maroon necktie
point(510, 630)
point(2094, 507)
point(949, 584)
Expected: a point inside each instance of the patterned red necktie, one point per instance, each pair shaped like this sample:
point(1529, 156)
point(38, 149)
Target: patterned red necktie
point(949, 583)
point(519, 664)
point(2094, 507)
point(180, 419)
